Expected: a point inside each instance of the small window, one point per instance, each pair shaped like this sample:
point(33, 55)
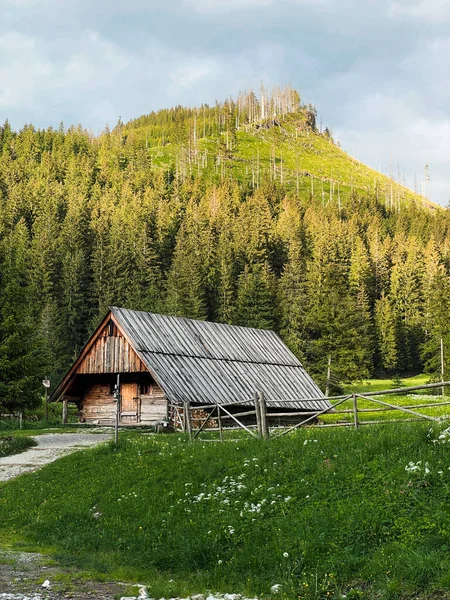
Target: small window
point(145, 389)
point(110, 329)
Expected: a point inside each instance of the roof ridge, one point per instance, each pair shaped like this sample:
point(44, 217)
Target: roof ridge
point(200, 321)
point(222, 359)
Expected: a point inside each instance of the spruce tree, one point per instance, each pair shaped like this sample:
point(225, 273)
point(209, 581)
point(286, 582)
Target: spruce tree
point(185, 284)
point(255, 297)
point(436, 290)
point(21, 359)
point(388, 336)
point(293, 300)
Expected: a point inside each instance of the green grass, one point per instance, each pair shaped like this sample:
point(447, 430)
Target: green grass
point(412, 400)
point(377, 385)
point(14, 445)
point(322, 512)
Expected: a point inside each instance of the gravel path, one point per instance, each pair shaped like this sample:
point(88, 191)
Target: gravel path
point(50, 446)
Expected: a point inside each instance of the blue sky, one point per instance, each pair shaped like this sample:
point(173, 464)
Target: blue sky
point(377, 70)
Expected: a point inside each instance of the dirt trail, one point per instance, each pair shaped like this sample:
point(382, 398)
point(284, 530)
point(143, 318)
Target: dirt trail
point(23, 573)
point(50, 446)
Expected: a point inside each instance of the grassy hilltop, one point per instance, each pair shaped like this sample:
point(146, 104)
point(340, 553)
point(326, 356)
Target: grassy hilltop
point(225, 142)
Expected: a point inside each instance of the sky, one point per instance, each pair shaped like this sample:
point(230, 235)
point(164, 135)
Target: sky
point(377, 70)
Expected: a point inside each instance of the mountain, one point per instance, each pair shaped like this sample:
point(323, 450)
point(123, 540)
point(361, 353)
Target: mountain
point(273, 137)
point(242, 213)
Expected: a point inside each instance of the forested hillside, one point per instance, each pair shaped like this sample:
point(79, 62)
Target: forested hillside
point(242, 213)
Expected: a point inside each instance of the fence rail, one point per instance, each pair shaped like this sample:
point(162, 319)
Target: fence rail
point(195, 419)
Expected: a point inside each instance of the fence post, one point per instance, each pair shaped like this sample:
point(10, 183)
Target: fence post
point(65, 408)
point(188, 419)
point(355, 410)
point(219, 420)
point(258, 414)
point(327, 385)
point(20, 420)
point(263, 415)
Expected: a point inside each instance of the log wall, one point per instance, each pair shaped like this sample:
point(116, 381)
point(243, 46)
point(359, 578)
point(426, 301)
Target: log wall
point(98, 404)
point(153, 405)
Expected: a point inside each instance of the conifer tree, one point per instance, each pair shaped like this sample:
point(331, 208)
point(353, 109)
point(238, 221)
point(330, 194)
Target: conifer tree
point(337, 327)
point(407, 300)
point(293, 300)
point(185, 284)
point(226, 280)
point(436, 290)
point(388, 336)
point(20, 358)
point(255, 297)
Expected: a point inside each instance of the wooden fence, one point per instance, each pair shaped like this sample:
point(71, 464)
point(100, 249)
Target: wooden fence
point(220, 418)
point(11, 416)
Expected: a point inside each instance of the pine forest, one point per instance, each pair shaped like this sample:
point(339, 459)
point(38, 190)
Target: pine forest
point(246, 212)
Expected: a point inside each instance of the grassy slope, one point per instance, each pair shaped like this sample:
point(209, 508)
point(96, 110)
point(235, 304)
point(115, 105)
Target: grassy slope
point(14, 444)
point(296, 149)
point(340, 504)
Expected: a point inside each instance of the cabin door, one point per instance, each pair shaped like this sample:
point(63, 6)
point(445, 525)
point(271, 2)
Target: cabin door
point(129, 402)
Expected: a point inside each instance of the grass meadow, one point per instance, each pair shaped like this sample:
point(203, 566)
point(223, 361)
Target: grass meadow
point(375, 412)
point(326, 513)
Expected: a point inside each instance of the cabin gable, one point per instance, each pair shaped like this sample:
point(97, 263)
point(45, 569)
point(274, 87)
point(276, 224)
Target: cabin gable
point(91, 380)
point(110, 352)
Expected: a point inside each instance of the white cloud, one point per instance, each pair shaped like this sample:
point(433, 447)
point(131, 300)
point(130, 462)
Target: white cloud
point(213, 6)
point(93, 80)
point(94, 63)
point(228, 6)
point(390, 131)
point(192, 72)
point(26, 3)
point(22, 70)
point(35, 74)
point(432, 11)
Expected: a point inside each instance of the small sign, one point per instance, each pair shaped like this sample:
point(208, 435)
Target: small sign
point(46, 383)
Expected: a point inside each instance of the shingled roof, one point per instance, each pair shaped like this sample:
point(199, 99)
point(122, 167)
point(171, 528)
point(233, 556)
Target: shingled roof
point(214, 363)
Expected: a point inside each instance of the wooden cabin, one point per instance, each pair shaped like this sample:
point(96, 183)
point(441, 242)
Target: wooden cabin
point(166, 361)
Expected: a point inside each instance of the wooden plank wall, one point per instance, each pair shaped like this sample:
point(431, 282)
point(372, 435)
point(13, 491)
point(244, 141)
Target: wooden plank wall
point(98, 404)
point(111, 354)
point(153, 405)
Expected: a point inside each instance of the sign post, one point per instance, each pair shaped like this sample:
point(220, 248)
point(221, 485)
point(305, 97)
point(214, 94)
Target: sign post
point(117, 398)
point(46, 384)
